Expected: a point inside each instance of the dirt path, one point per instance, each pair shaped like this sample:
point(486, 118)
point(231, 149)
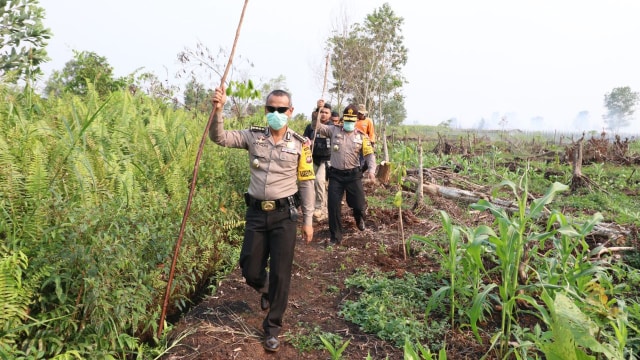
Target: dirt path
point(228, 325)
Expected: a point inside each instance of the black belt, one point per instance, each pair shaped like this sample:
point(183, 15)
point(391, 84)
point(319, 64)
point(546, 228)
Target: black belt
point(269, 205)
point(345, 172)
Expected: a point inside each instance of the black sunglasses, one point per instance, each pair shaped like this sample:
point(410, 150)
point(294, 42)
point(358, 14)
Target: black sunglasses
point(280, 109)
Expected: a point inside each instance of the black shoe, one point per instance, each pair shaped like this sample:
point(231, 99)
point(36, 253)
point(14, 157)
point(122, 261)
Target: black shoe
point(271, 344)
point(360, 224)
point(333, 242)
point(264, 301)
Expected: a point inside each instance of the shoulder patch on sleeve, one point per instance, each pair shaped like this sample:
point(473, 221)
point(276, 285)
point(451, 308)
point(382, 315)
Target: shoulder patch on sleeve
point(366, 146)
point(305, 164)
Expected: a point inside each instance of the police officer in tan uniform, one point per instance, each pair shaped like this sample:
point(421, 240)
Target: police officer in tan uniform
point(281, 176)
point(347, 143)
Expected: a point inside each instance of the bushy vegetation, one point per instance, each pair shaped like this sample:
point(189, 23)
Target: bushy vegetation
point(535, 260)
point(94, 188)
point(93, 191)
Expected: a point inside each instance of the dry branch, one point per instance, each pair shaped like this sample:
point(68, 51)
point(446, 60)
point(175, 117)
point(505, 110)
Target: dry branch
point(612, 250)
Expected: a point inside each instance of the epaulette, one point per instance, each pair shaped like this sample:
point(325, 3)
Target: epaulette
point(258, 128)
point(303, 139)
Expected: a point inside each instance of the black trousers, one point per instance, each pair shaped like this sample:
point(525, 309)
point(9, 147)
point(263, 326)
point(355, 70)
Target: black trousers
point(269, 240)
point(341, 182)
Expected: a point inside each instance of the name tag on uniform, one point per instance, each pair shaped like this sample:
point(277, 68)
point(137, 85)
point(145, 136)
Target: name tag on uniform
point(357, 139)
point(288, 150)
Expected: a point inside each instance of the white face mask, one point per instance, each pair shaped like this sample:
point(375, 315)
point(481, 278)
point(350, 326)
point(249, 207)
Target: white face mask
point(277, 120)
point(349, 126)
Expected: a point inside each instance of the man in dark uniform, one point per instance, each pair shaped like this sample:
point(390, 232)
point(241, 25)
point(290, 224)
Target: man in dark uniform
point(281, 173)
point(347, 143)
point(321, 155)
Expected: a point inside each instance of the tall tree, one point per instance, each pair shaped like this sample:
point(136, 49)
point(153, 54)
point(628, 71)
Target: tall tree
point(367, 60)
point(84, 68)
point(389, 55)
point(23, 39)
point(621, 104)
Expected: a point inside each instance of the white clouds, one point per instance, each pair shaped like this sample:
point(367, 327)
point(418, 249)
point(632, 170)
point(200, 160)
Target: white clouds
point(467, 59)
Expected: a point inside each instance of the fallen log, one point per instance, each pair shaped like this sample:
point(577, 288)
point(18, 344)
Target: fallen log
point(461, 194)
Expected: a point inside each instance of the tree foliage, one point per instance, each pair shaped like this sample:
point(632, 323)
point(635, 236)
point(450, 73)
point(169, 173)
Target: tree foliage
point(196, 97)
point(150, 84)
point(204, 66)
point(23, 39)
point(85, 68)
point(367, 60)
point(393, 111)
point(621, 104)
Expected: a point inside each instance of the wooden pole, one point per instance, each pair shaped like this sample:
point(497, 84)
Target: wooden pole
point(203, 140)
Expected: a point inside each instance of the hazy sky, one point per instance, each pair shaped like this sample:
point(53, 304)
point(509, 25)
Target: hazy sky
point(468, 59)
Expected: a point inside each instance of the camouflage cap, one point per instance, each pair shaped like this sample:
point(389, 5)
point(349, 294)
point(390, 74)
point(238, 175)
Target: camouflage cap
point(362, 110)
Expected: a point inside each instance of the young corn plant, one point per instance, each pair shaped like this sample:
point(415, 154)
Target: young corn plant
point(404, 155)
point(512, 238)
point(420, 352)
point(334, 347)
point(462, 261)
point(564, 265)
point(450, 260)
point(473, 267)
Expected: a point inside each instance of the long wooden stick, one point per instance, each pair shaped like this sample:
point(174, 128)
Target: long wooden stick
point(176, 250)
point(326, 71)
point(324, 88)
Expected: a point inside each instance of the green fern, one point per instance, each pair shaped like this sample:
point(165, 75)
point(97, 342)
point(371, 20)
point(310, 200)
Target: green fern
point(14, 297)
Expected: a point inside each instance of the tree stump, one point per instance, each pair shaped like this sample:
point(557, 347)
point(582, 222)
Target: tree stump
point(383, 174)
point(578, 180)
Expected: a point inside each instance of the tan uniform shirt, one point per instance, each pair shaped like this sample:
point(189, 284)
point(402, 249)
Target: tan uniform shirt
point(277, 170)
point(346, 148)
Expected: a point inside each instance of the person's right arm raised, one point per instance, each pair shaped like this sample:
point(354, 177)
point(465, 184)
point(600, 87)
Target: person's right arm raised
point(218, 100)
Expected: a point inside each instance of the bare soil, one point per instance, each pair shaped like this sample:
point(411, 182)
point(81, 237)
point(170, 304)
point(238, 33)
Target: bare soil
point(228, 324)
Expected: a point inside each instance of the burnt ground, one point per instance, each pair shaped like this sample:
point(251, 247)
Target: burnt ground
point(228, 324)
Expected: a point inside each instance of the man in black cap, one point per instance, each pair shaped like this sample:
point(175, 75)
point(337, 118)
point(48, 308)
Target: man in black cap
point(345, 176)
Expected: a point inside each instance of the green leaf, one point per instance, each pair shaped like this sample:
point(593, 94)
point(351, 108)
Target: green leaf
point(538, 205)
point(397, 199)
